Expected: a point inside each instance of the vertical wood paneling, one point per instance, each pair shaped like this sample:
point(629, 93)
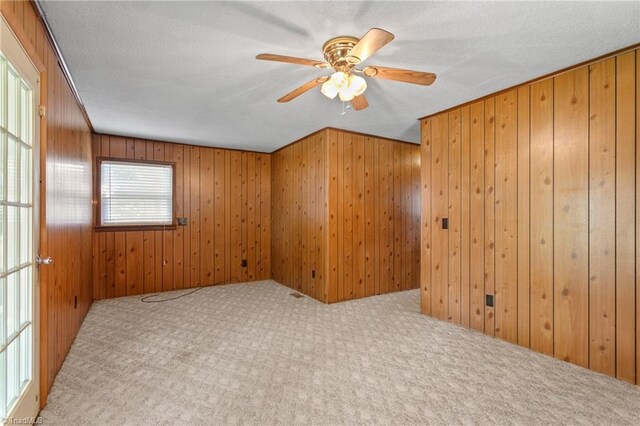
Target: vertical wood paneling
point(180, 249)
point(207, 218)
point(229, 226)
point(332, 151)
point(220, 250)
point(340, 216)
point(454, 208)
point(322, 220)
point(304, 250)
point(398, 228)
point(440, 204)
point(299, 213)
point(552, 193)
point(347, 217)
point(476, 269)
point(345, 234)
point(251, 244)
point(542, 225)
point(358, 167)
point(264, 222)
point(602, 213)
point(523, 216)
point(370, 213)
point(571, 215)
point(407, 215)
point(386, 216)
point(506, 219)
point(625, 217)
point(199, 254)
point(489, 211)
point(426, 222)
point(414, 230)
point(637, 234)
point(194, 216)
point(65, 139)
point(236, 174)
point(312, 231)
point(465, 216)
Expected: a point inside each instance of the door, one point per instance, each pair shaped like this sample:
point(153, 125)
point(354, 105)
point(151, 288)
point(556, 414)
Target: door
point(19, 168)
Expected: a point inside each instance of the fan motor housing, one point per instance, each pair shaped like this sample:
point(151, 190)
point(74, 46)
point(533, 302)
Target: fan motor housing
point(336, 49)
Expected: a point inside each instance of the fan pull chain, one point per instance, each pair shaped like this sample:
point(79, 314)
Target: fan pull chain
point(345, 107)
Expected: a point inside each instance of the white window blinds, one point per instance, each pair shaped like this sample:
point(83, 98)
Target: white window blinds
point(136, 193)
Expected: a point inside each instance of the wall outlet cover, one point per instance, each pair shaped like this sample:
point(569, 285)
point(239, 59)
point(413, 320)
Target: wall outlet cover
point(489, 301)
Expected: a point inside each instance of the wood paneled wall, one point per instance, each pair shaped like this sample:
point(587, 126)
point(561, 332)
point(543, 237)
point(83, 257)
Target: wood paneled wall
point(66, 225)
point(539, 184)
point(299, 215)
point(226, 197)
point(347, 206)
point(374, 211)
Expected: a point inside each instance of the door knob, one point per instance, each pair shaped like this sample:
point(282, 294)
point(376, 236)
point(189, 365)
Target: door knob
point(44, 260)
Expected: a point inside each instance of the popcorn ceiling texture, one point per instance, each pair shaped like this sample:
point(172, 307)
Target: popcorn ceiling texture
point(185, 71)
point(252, 354)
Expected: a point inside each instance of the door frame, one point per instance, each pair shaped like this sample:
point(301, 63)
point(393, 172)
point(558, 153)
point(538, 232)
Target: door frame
point(33, 73)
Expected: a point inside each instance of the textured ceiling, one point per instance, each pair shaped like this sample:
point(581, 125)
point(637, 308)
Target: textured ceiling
point(185, 71)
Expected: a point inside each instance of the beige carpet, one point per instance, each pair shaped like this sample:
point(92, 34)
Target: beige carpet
point(252, 354)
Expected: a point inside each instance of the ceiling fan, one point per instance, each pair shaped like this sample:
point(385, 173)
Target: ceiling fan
point(343, 54)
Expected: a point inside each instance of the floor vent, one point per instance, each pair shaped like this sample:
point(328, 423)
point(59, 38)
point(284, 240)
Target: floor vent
point(297, 295)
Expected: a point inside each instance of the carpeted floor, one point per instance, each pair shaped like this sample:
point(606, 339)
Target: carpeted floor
point(252, 354)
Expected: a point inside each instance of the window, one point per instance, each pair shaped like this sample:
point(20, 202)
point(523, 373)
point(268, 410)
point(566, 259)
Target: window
point(135, 193)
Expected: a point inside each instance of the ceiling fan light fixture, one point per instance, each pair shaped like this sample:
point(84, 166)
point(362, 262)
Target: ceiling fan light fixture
point(339, 79)
point(355, 87)
point(329, 89)
point(347, 86)
point(338, 82)
point(343, 54)
point(346, 95)
point(357, 84)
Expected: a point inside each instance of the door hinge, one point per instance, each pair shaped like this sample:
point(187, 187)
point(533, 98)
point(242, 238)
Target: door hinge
point(42, 110)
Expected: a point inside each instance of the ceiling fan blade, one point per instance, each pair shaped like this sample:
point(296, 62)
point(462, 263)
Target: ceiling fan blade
point(292, 60)
point(372, 41)
point(406, 76)
point(359, 103)
point(304, 88)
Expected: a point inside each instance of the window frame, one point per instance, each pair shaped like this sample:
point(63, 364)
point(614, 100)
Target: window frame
point(132, 227)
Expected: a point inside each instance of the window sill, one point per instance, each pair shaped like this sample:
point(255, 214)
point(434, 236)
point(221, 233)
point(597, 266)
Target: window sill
point(121, 228)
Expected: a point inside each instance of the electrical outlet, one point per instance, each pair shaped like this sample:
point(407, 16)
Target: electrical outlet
point(313, 273)
point(75, 302)
point(489, 301)
point(182, 221)
point(244, 263)
point(445, 223)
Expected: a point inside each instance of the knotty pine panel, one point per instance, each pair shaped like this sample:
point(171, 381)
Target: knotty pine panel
point(571, 216)
point(454, 215)
point(298, 214)
point(66, 223)
point(625, 170)
point(425, 217)
point(506, 217)
point(346, 206)
point(602, 212)
point(439, 211)
point(553, 234)
point(221, 230)
point(372, 224)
